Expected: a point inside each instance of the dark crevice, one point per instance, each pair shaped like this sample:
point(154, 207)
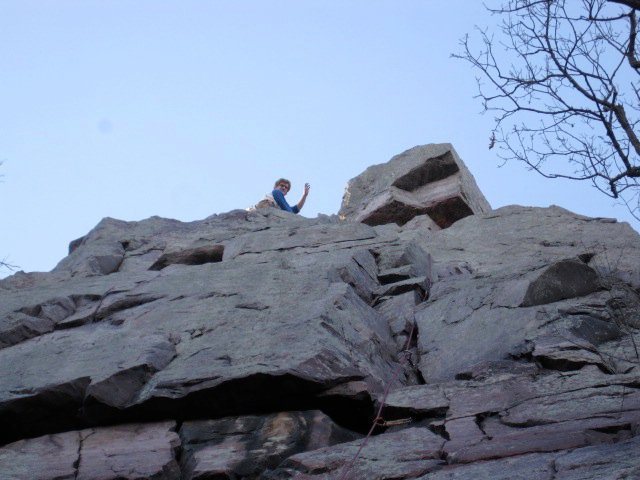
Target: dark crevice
point(424, 416)
point(420, 377)
point(393, 212)
point(180, 449)
point(440, 429)
point(435, 169)
point(386, 279)
point(192, 256)
point(449, 211)
point(560, 365)
point(444, 456)
point(565, 365)
point(613, 430)
point(413, 341)
point(480, 419)
point(586, 257)
point(259, 306)
point(76, 463)
point(613, 434)
point(69, 408)
point(413, 355)
point(526, 424)
point(554, 468)
point(523, 351)
point(53, 410)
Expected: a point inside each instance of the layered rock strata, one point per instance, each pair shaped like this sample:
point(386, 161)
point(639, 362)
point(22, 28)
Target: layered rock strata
point(260, 345)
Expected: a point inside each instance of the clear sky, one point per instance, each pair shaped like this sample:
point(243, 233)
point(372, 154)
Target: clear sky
point(182, 109)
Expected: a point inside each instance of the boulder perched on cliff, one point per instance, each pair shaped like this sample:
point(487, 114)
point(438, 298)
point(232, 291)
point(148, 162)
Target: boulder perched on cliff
point(425, 180)
point(262, 345)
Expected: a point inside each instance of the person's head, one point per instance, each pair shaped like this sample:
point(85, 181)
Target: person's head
point(283, 185)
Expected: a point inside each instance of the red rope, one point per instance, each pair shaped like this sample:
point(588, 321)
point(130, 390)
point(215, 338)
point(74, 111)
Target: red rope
point(378, 420)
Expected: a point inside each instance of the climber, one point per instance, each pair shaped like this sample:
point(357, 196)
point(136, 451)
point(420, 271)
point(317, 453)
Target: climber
point(281, 188)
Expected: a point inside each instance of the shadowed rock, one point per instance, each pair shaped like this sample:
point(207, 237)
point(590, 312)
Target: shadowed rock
point(191, 256)
point(564, 279)
point(244, 447)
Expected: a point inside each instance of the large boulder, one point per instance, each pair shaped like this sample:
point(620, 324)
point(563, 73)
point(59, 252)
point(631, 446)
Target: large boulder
point(427, 180)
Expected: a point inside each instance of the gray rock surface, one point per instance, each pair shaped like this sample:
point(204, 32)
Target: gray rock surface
point(286, 306)
point(261, 344)
point(513, 414)
point(408, 453)
point(530, 274)
point(244, 447)
point(124, 452)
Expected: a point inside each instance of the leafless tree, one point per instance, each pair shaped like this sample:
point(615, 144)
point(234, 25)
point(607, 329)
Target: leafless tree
point(563, 78)
point(4, 263)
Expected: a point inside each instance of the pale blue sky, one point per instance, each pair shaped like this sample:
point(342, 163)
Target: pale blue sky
point(183, 109)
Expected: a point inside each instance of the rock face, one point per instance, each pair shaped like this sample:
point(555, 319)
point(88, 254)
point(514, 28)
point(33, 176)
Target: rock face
point(123, 452)
point(262, 345)
point(428, 180)
point(244, 447)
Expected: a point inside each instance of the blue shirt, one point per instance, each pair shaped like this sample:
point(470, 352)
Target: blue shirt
point(278, 196)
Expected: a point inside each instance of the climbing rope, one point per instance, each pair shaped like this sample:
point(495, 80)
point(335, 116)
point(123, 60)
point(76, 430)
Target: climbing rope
point(379, 421)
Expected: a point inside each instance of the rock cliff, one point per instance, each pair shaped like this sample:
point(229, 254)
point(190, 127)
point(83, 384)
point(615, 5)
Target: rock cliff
point(263, 345)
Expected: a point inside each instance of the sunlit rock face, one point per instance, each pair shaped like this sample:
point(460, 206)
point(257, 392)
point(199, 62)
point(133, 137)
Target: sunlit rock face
point(426, 180)
point(261, 345)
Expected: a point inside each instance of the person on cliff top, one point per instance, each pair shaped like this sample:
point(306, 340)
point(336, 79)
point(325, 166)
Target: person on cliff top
point(281, 188)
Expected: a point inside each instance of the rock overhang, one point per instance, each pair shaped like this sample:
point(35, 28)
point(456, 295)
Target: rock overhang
point(425, 180)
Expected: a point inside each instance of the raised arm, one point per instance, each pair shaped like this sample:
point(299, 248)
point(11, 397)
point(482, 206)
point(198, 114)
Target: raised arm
point(300, 204)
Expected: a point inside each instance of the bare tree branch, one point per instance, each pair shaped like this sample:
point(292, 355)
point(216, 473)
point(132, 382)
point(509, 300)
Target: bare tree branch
point(8, 266)
point(562, 78)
